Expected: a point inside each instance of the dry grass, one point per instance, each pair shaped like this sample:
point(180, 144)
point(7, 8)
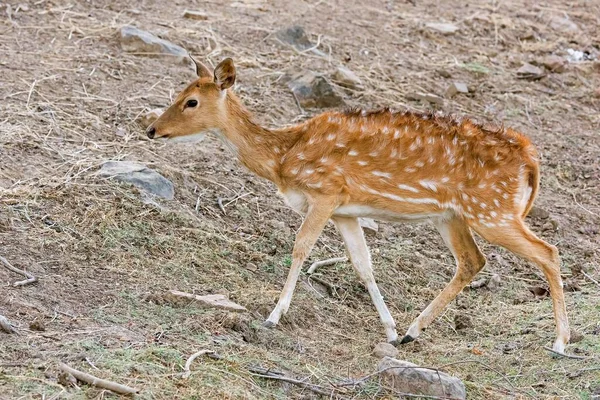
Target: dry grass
point(102, 252)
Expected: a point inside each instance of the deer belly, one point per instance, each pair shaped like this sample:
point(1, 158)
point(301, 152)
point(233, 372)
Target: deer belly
point(296, 200)
point(356, 210)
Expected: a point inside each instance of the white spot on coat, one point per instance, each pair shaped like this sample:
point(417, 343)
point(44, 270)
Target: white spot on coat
point(428, 184)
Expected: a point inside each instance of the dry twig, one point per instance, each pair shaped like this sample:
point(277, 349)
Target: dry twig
point(30, 278)
point(323, 263)
point(574, 357)
point(186, 369)
point(590, 278)
point(278, 376)
point(101, 383)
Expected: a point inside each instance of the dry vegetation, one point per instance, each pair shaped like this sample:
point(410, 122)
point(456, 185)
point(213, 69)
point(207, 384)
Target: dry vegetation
point(104, 253)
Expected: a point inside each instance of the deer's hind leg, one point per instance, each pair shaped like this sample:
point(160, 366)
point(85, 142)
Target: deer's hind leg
point(518, 239)
point(469, 261)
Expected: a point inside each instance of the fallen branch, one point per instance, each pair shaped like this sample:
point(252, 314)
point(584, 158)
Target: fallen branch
point(278, 376)
point(323, 263)
point(186, 369)
point(565, 355)
point(101, 383)
point(30, 278)
point(5, 325)
point(590, 278)
point(210, 300)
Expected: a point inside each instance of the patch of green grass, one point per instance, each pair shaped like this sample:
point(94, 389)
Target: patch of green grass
point(475, 67)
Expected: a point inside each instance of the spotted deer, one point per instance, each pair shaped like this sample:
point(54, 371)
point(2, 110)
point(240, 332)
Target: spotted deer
point(392, 166)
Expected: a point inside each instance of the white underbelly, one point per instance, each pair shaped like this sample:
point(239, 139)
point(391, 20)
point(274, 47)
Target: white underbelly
point(297, 200)
point(364, 211)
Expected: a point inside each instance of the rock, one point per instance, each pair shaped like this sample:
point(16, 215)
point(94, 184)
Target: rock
point(551, 225)
point(539, 291)
point(538, 212)
point(571, 285)
point(6, 326)
point(576, 336)
point(251, 267)
point(431, 98)
point(67, 380)
point(456, 87)
point(409, 378)
point(135, 40)
point(313, 91)
point(211, 300)
point(369, 224)
point(37, 325)
point(576, 56)
point(597, 93)
point(528, 34)
point(250, 4)
point(346, 78)
point(296, 37)
point(197, 15)
point(529, 71)
point(462, 321)
point(148, 118)
point(140, 176)
point(443, 73)
point(479, 283)
point(384, 349)
point(446, 29)
point(563, 24)
point(510, 347)
point(494, 281)
point(554, 63)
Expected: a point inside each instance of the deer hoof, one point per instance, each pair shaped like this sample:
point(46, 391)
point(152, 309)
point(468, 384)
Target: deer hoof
point(268, 324)
point(407, 339)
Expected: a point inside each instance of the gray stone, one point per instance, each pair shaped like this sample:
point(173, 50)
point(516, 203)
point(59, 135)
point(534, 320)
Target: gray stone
point(538, 212)
point(529, 71)
point(554, 63)
point(346, 78)
point(444, 28)
point(428, 97)
point(140, 176)
point(296, 37)
point(385, 350)
point(455, 88)
point(135, 40)
point(409, 378)
point(495, 281)
point(148, 118)
point(563, 24)
point(197, 15)
point(313, 91)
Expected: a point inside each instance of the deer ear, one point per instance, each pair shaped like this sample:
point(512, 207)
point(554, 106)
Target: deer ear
point(201, 70)
point(225, 74)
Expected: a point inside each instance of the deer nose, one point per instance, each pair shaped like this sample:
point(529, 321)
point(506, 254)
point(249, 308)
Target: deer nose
point(151, 131)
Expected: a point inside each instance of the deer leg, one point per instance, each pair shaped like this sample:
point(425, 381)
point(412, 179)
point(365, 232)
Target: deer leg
point(358, 252)
point(518, 239)
point(469, 261)
point(317, 216)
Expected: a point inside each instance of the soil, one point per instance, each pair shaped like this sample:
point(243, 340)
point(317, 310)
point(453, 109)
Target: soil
point(105, 254)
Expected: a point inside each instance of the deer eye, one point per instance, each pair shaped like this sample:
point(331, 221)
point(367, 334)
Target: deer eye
point(191, 103)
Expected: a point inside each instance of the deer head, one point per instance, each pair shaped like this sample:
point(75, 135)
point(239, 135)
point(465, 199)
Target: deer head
point(199, 108)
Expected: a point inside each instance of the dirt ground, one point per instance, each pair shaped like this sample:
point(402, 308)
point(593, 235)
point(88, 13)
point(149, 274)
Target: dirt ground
point(105, 255)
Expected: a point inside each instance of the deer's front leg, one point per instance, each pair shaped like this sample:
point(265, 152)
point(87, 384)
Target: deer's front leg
point(317, 216)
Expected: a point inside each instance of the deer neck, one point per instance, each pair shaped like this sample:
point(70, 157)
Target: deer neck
point(257, 148)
